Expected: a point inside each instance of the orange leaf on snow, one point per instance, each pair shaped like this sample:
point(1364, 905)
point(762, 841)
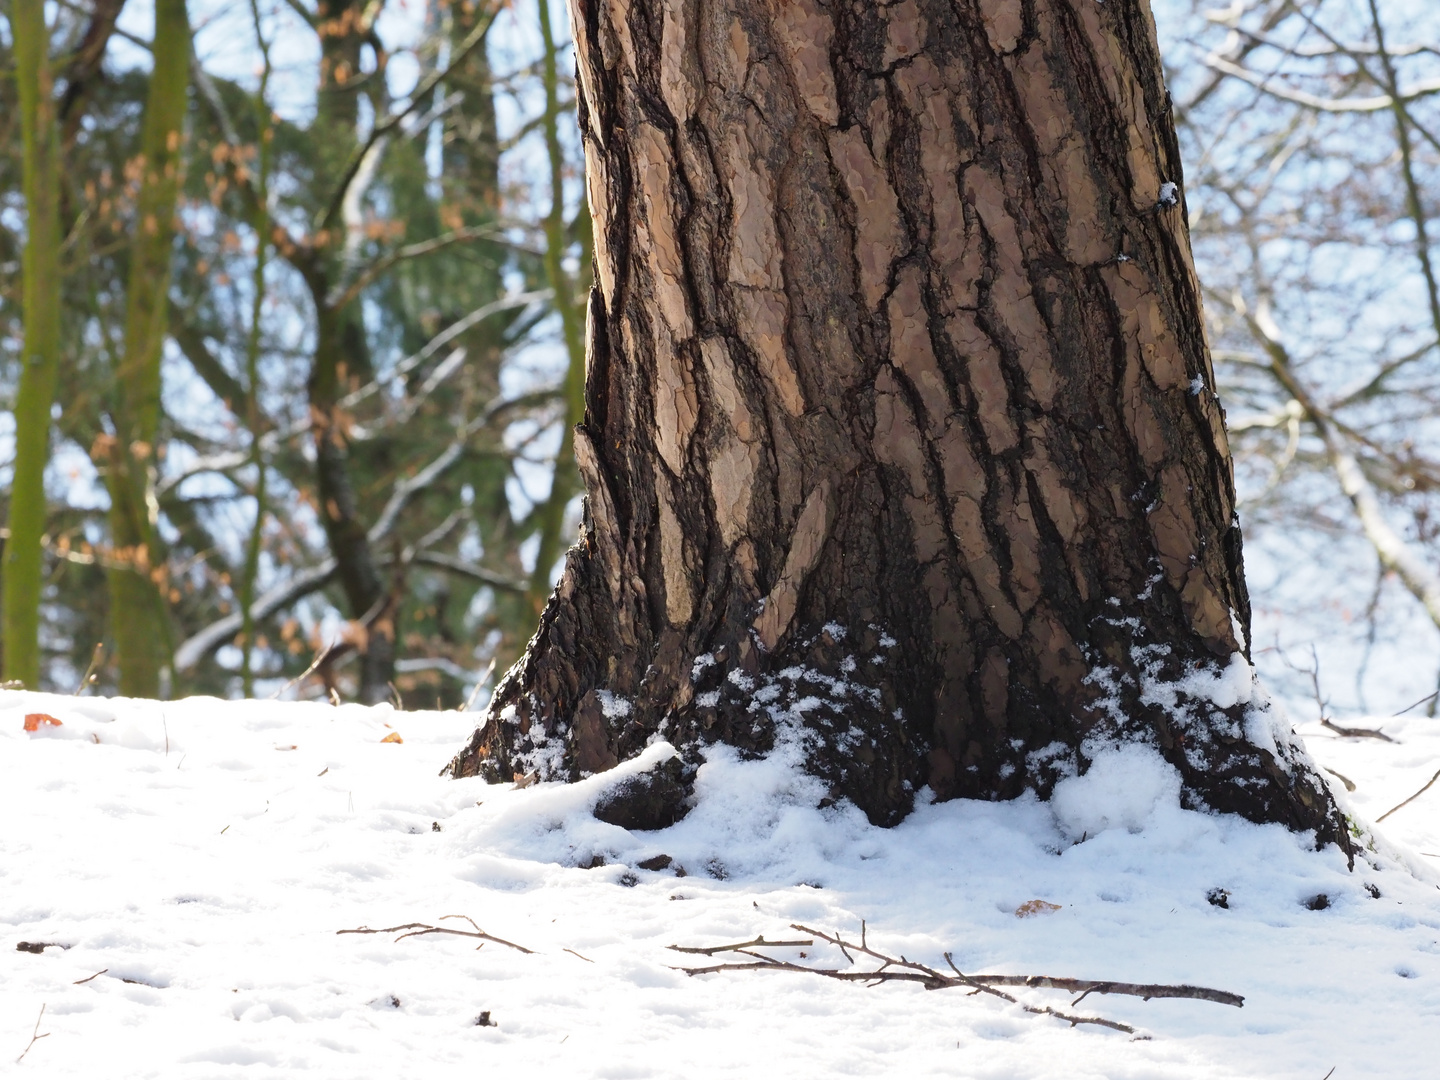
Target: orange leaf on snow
point(394, 736)
point(1035, 907)
point(35, 719)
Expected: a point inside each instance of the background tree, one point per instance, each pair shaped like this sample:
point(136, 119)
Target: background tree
point(138, 585)
point(1311, 133)
point(901, 436)
point(39, 354)
point(370, 257)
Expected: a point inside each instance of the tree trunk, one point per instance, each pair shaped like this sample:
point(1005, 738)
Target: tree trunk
point(139, 618)
point(40, 354)
point(371, 607)
point(564, 481)
point(900, 433)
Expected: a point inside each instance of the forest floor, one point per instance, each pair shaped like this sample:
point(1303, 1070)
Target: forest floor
point(202, 855)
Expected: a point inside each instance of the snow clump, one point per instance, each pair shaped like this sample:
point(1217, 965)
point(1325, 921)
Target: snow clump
point(1123, 788)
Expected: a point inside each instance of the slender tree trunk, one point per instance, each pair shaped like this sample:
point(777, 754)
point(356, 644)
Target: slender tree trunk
point(900, 433)
point(565, 480)
point(340, 351)
point(471, 178)
point(260, 225)
point(358, 575)
point(138, 607)
point(40, 356)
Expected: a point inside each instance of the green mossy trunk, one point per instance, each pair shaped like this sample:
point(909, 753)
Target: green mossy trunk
point(138, 588)
point(40, 356)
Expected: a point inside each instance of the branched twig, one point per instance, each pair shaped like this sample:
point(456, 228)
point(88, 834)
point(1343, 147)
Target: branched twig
point(34, 1037)
point(899, 969)
point(415, 929)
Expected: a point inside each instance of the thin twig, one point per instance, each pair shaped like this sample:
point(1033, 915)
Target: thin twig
point(315, 663)
point(1428, 697)
point(738, 946)
point(1408, 801)
point(89, 676)
point(416, 929)
point(35, 1036)
point(82, 982)
point(480, 683)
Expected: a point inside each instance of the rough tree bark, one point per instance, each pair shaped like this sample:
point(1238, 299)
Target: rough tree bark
point(900, 436)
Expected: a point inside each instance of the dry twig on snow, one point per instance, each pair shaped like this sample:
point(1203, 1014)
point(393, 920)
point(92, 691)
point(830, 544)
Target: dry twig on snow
point(899, 969)
point(34, 1037)
point(416, 929)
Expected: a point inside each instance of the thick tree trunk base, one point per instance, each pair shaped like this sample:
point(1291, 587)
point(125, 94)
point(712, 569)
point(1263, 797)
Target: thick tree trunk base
point(854, 702)
point(900, 440)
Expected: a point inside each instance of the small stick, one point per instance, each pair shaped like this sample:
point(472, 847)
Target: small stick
point(587, 959)
point(1412, 798)
point(478, 686)
point(82, 982)
point(89, 676)
point(35, 1036)
point(315, 663)
point(416, 929)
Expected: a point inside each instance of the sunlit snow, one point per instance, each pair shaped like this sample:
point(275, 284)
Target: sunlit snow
point(203, 854)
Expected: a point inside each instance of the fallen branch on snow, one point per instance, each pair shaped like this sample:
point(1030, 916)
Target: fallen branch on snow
point(899, 969)
point(415, 929)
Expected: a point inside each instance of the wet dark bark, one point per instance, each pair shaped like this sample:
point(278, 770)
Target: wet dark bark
point(900, 436)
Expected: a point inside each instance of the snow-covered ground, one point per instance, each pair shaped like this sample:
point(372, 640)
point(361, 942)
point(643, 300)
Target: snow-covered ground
point(203, 854)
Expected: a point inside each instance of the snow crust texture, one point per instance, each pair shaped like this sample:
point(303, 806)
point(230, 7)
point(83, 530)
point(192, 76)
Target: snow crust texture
point(203, 854)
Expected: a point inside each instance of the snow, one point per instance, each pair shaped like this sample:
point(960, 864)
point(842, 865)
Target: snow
point(1125, 787)
point(208, 852)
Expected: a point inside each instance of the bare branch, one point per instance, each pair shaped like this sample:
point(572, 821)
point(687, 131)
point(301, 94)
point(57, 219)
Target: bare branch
point(472, 41)
point(372, 273)
point(1394, 553)
point(899, 969)
point(302, 584)
point(1267, 84)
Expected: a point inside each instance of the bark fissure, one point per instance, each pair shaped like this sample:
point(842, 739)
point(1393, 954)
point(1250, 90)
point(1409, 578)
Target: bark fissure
point(899, 433)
